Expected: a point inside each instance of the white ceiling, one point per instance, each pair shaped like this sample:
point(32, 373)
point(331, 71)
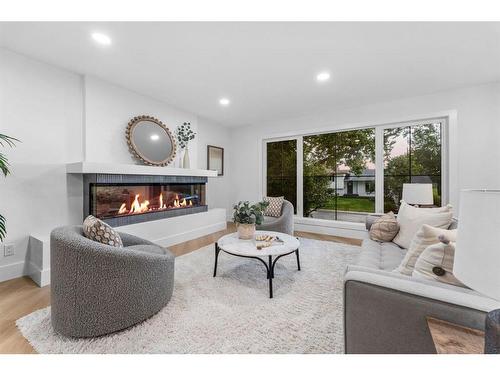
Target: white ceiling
point(268, 70)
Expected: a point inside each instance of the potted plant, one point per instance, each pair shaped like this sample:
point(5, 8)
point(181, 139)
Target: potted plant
point(184, 134)
point(4, 168)
point(246, 216)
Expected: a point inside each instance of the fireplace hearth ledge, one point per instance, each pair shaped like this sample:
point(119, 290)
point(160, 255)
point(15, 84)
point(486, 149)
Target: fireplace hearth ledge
point(131, 169)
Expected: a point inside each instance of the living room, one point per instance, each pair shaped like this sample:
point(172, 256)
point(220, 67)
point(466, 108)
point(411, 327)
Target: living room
point(297, 187)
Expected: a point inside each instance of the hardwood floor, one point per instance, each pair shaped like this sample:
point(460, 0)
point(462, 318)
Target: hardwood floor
point(21, 296)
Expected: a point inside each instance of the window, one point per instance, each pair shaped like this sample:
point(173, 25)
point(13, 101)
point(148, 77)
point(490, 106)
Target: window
point(282, 170)
point(336, 168)
point(341, 179)
point(412, 154)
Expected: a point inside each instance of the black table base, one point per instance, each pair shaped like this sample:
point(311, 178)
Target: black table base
point(269, 265)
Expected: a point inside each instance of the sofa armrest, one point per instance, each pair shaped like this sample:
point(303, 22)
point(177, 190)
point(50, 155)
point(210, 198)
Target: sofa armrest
point(386, 312)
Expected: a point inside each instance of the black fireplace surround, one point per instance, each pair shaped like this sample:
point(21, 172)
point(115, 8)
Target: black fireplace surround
point(127, 199)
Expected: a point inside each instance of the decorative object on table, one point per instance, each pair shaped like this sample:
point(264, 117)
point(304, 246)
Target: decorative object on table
point(184, 134)
point(150, 141)
point(436, 263)
point(275, 206)
point(418, 194)
point(384, 228)
point(4, 167)
point(215, 159)
point(246, 216)
point(267, 240)
point(477, 253)
point(451, 338)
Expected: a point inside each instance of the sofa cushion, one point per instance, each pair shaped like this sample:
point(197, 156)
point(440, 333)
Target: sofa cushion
point(151, 249)
point(425, 237)
point(411, 219)
point(384, 228)
point(380, 255)
point(436, 263)
point(97, 230)
point(274, 207)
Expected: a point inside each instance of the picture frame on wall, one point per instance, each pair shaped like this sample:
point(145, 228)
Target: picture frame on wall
point(215, 159)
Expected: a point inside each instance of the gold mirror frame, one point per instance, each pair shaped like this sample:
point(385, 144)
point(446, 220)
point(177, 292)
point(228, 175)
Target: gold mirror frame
point(135, 150)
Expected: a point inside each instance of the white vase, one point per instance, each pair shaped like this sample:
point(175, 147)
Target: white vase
point(185, 161)
point(245, 231)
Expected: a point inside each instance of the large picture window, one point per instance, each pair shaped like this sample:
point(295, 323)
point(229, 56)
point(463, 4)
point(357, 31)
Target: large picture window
point(282, 170)
point(338, 167)
point(412, 154)
point(346, 175)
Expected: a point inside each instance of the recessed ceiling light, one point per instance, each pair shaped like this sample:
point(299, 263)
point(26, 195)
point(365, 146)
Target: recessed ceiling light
point(154, 137)
point(224, 101)
point(102, 39)
point(323, 76)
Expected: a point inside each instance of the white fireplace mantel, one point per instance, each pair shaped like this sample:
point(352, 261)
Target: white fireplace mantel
point(111, 168)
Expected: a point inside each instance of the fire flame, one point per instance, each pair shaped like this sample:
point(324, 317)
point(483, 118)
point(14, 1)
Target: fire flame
point(138, 207)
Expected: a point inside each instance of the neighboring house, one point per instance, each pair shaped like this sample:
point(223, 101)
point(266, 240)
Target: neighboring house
point(348, 184)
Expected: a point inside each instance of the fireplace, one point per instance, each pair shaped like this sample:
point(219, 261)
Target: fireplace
point(128, 199)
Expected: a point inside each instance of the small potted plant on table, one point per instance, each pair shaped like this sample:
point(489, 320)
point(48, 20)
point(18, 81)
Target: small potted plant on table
point(246, 216)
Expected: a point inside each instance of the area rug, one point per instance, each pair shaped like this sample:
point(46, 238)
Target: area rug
point(231, 313)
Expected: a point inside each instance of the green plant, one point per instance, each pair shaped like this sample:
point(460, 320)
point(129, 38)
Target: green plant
point(244, 213)
point(184, 134)
point(5, 140)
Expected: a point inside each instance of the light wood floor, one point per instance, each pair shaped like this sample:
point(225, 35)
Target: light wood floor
point(21, 296)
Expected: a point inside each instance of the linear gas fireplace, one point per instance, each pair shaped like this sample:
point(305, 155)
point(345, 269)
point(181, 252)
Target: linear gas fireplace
point(128, 199)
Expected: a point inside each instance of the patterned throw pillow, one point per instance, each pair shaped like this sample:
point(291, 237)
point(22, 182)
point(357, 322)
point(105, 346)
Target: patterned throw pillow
point(97, 230)
point(385, 228)
point(274, 207)
point(436, 263)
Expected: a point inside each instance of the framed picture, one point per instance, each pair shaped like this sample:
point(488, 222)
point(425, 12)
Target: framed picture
point(215, 159)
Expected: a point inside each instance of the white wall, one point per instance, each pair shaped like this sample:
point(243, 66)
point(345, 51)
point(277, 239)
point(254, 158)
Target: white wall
point(477, 135)
point(108, 109)
point(41, 106)
point(62, 117)
point(220, 190)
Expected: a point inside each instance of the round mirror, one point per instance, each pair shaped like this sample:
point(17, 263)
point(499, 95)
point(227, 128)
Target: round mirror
point(150, 141)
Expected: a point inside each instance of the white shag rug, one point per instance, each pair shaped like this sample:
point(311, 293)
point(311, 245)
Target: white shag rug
point(231, 313)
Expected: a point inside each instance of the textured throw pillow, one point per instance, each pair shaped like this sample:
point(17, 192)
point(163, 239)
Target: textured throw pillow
point(97, 230)
point(436, 263)
point(384, 228)
point(274, 207)
point(425, 237)
point(411, 219)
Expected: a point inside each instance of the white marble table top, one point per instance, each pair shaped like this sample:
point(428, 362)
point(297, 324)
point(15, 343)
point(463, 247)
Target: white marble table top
point(232, 244)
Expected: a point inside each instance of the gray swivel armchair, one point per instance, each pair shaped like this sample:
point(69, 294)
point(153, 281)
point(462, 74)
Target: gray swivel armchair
point(283, 224)
point(97, 289)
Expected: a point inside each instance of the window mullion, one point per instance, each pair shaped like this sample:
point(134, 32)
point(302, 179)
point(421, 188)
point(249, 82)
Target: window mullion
point(300, 177)
point(379, 169)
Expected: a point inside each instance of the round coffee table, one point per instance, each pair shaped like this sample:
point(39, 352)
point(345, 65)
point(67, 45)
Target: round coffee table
point(231, 244)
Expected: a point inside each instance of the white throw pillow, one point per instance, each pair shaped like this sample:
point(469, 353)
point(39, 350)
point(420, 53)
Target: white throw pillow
point(425, 237)
point(436, 263)
point(411, 219)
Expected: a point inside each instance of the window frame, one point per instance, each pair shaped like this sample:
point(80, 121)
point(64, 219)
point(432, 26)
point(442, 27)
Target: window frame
point(446, 119)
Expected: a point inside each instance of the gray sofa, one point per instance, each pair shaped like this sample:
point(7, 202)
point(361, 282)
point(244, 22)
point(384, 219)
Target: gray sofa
point(282, 224)
point(97, 289)
point(385, 312)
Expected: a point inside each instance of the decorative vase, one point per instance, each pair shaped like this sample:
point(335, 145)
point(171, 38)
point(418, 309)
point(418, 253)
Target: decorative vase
point(246, 231)
point(185, 162)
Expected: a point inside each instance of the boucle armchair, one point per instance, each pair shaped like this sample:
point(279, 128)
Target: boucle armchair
point(97, 289)
point(282, 224)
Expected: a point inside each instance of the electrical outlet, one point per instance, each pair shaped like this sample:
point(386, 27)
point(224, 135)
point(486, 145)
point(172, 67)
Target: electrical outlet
point(8, 249)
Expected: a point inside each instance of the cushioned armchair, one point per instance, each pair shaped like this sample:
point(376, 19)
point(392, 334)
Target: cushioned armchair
point(97, 289)
point(283, 224)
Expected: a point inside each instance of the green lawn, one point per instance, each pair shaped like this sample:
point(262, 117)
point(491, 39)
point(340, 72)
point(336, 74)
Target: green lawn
point(359, 204)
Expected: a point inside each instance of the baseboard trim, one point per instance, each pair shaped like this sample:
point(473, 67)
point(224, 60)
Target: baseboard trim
point(190, 234)
point(12, 271)
point(39, 276)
